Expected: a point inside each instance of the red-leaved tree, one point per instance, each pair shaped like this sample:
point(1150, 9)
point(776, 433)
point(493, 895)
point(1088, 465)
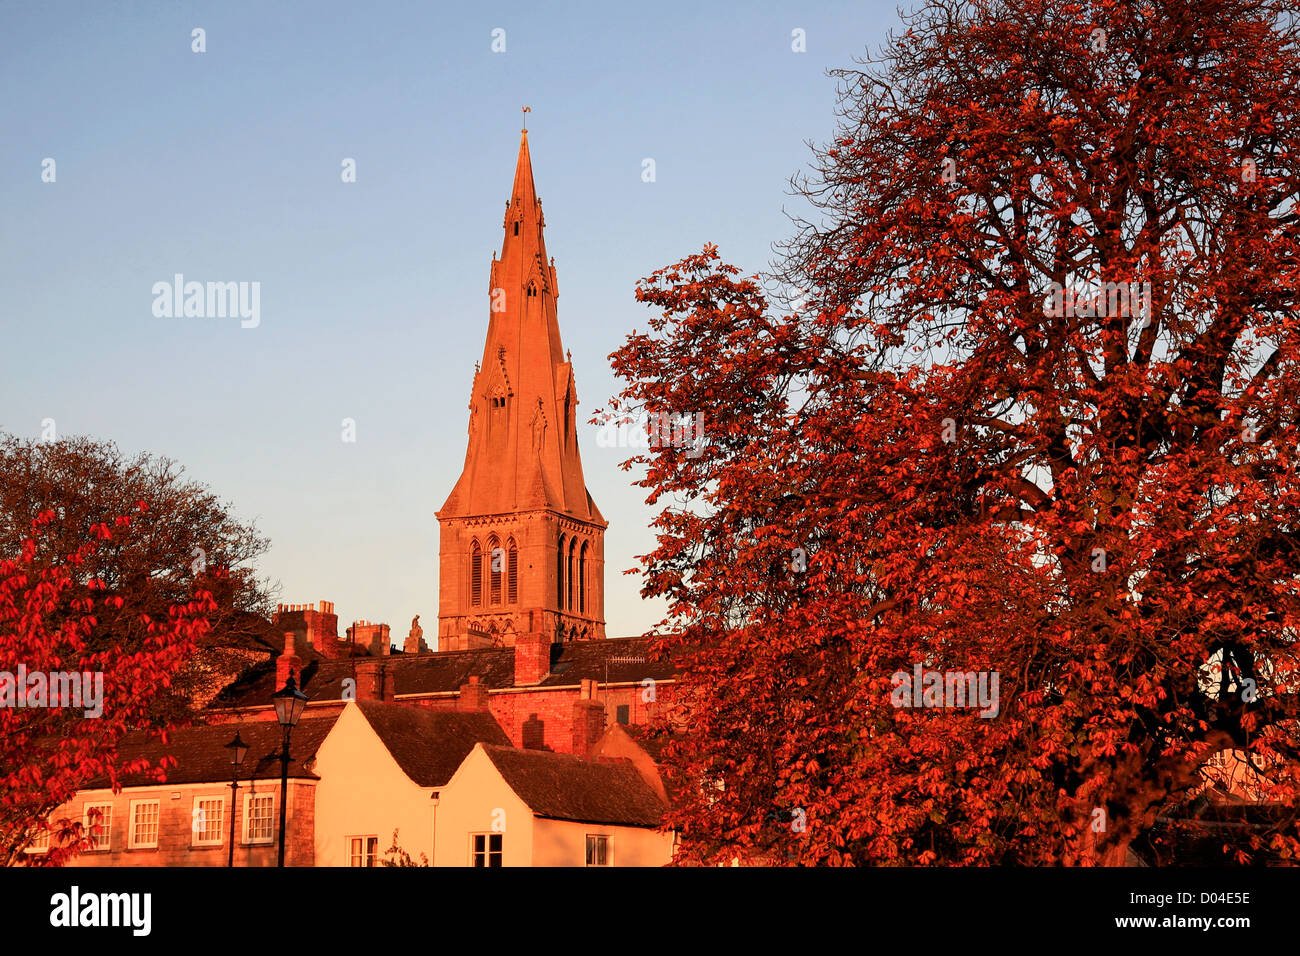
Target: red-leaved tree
point(48, 748)
point(1034, 422)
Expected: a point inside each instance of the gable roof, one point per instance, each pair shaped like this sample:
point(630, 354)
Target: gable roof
point(430, 744)
point(564, 787)
point(612, 660)
point(201, 755)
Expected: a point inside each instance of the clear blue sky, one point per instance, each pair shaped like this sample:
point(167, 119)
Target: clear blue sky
point(225, 166)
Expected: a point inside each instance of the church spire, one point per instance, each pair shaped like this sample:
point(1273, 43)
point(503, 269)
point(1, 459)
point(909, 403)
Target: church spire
point(523, 447)
point(522, 467)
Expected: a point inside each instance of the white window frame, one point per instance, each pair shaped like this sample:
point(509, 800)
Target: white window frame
point(107, 825)
point(609, 849)
point(487, 847)
point(40, 843)
point(132, 841)
point(196, 836)
point(368, 859)
point(248, 819)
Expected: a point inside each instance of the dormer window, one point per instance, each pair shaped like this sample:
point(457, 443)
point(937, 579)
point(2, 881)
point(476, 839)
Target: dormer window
point(516, 227)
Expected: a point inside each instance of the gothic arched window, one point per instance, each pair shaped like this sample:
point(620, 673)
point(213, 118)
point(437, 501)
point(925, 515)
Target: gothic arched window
point(573, 550)
point(497, 570)
point(476, 575)
point(512, 572)
point(582, 579)
point(559, 574)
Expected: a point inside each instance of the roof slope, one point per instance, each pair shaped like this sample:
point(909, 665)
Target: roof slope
point(430, 744)
point(613, 660)
point(565, 787)
point(201, 755)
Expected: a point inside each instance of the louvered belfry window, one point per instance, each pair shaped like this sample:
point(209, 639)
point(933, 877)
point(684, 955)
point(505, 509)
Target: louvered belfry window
point(512, 573)
point(496, 571)
point(476, 575)
point(559, 574)
point(582, 579)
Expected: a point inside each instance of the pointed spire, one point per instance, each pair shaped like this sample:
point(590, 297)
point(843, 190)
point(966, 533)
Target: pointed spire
point(524, 194)
point(523, 448)
point(522, 481)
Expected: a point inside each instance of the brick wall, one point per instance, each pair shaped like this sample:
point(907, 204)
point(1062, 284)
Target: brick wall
point(176, 826)
point(554, 708)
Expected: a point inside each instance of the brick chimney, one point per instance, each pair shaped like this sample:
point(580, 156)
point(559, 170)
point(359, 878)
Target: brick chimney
point(534, 733)
point(370, 638)
point(374, 682)
point(318, 629)
point(287, 662)
point(532, 652)
point(588, 719)
point(473, 696)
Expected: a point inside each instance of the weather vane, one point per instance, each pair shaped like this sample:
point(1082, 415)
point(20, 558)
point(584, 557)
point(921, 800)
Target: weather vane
point(526, 109)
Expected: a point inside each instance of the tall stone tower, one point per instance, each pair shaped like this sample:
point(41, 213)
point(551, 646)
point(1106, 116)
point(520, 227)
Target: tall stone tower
point(521, 543)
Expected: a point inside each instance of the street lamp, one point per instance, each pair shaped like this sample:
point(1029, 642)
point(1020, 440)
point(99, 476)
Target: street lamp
point(238, 750)
point(289, 702)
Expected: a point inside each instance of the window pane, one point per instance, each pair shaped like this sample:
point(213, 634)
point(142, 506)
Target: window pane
point(209, 820)
point(144, 824)
point(597, 850)
point(260, 824)
point(99, 824)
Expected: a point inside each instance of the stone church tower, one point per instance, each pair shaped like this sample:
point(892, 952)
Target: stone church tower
point(521, 543)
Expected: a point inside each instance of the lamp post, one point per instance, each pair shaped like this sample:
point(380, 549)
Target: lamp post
point(289, 702)
point(238, 749)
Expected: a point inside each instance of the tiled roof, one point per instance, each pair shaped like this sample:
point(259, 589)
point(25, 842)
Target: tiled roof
point(201, 754)
point(430, 744)
point(565, 787)
point(615, 660)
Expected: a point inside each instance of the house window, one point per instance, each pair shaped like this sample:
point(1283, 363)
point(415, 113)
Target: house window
point(40, 843)
point(98, 821)
point(597, 850)
point(259, 818)
point(621, 714)
point(209, 821)
point(486, 849)
point(144, 825)
point(363, 850)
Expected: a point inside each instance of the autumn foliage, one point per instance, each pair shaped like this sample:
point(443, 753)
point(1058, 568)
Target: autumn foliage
point(47, 752)
point(1035, 415)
